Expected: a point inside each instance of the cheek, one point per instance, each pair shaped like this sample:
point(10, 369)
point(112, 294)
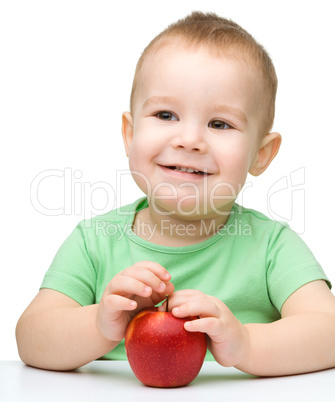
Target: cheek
point(233, 174)
point(137, 168)
point(142, 153)
point(234, 162)
point(141, 160)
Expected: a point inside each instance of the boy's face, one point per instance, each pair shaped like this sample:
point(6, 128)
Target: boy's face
point(194, 112)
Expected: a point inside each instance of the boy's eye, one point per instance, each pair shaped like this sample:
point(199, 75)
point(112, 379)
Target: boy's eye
point(166, 116)
point(219, 125)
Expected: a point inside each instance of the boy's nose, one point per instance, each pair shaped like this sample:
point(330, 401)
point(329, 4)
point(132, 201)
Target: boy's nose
point(190, 140)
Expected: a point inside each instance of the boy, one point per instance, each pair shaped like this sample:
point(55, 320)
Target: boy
point(202, 108)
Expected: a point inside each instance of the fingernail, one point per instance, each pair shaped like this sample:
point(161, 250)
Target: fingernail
point(162, 286)
point(147, 289)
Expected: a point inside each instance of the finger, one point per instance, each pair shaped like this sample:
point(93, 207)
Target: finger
point(202, 307)
point(128, 286)
point(184, 296)
point(155, 268)
point(210, 325)
point(113, 303)
point(169, 289)
point(146, 276)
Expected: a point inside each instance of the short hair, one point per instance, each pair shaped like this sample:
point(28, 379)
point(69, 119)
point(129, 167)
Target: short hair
point(220, 35)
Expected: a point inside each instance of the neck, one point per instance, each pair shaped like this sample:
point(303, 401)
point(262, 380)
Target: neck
point(175, 231)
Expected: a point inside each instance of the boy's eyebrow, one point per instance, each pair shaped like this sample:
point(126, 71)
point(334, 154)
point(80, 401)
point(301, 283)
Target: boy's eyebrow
point(159, 99)
point(233, 111)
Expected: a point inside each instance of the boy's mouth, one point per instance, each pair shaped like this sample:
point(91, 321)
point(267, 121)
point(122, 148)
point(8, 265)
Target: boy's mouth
point(186, 170)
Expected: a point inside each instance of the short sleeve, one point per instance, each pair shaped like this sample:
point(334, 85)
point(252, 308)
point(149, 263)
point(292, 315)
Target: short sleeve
point(71, 271)
point(290, 265)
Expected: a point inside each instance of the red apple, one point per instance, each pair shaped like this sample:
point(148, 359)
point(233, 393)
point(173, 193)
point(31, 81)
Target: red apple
point(161, 352)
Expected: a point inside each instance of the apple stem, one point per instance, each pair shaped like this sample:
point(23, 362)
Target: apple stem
point(167, 304)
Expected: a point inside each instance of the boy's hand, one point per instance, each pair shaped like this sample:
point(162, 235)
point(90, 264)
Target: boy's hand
point(228, 337)
point(142, 285)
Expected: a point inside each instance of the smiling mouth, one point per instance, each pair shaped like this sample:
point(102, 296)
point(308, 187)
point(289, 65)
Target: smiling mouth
point(186, 170)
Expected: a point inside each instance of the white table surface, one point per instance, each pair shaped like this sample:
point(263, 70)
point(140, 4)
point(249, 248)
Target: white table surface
point(114, 381)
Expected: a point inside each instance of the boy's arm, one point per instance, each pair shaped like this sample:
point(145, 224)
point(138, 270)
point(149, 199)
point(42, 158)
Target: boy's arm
point(55, 332)
point(303, 340)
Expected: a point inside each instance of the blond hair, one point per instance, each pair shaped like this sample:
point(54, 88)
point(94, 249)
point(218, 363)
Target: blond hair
point(219, 34)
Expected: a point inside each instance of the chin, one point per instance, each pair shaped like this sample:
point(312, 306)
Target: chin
point(183, 207)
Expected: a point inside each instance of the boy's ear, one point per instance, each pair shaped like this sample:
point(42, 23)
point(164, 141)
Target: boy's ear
point(127, 130)
point(267, 151)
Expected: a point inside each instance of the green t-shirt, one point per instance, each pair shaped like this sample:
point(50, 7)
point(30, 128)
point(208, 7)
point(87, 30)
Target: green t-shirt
point(253, 264)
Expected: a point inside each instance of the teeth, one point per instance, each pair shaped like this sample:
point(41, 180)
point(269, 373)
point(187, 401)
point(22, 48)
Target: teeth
point(186, 170)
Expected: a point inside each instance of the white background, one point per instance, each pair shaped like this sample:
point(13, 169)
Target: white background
point(65, 77)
